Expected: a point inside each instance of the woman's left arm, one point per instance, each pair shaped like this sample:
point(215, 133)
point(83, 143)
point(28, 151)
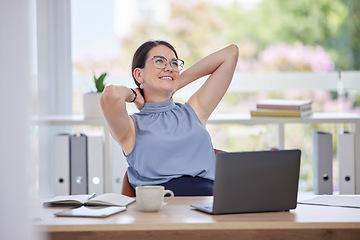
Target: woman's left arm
point(220, 65)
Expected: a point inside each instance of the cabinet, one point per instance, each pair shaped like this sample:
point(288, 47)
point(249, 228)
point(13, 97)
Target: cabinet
point(316, 118)
point(112, 182)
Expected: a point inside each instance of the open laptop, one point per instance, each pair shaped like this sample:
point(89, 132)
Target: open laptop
point(260, 181)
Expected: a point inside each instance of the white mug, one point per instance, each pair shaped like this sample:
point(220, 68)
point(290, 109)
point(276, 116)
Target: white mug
point(151, 198)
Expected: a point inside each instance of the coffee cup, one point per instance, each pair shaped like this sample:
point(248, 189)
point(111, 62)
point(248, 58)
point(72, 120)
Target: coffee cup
point(151, 198)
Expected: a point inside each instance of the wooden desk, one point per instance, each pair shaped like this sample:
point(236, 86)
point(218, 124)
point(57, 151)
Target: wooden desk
point(178, 221)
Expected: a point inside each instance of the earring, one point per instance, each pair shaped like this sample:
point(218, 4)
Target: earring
point(141, 86)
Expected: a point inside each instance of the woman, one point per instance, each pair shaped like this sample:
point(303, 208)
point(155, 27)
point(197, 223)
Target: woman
point(166, 143)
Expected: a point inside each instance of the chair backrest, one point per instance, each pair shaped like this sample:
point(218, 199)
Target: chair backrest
point(127, 189)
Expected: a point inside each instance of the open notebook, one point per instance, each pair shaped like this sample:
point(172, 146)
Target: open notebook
point(87, 211)
point(106, 199)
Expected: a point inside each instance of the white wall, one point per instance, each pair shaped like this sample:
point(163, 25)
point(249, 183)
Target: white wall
point(15, 64)
point(54, 79)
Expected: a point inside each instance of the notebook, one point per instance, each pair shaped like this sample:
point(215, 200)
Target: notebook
point(90, 211)
point(259, 181)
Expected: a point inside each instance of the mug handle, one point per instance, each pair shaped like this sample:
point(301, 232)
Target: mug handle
point(171, 196)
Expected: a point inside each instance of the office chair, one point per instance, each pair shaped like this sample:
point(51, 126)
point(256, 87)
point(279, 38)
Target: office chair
point(129, 191)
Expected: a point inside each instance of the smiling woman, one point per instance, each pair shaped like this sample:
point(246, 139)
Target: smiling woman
point(156, 51)
point(158, 79)
point(166, 143)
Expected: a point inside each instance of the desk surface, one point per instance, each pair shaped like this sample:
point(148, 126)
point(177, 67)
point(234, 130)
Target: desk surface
point(178, 220)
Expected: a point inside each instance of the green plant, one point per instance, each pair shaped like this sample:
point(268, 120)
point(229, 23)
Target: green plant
point(99, 82)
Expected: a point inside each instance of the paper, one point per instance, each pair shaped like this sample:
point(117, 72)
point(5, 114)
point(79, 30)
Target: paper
point(90, 211)
point(351, 201)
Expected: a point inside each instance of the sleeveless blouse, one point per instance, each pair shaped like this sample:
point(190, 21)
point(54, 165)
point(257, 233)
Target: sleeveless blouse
point(170, 142)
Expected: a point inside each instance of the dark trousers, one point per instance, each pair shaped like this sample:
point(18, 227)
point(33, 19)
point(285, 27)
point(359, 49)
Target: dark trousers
point(190, 186)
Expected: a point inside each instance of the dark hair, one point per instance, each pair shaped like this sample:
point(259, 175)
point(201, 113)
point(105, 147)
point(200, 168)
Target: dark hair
point(141, 55)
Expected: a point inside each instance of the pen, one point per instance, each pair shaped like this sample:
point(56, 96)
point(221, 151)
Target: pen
point(92, 195)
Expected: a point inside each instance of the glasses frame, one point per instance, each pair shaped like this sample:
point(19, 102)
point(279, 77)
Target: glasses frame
point(179, 61)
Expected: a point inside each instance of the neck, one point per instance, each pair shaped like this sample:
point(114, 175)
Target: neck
point(157, 98)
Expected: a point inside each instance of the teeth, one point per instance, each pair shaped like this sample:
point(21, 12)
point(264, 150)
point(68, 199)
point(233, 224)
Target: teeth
point(167, 78)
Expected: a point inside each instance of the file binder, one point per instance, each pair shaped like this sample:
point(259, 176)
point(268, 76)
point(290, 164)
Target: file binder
point(95, 152)
point(346, 158)
point(62, 164)
point(322, 162)
point(78, 164)
point(118, 166)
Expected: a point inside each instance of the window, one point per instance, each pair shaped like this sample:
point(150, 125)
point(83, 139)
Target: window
point(275, 37)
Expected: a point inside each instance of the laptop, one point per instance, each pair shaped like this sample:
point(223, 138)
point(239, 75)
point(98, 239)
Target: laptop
point(259, 181)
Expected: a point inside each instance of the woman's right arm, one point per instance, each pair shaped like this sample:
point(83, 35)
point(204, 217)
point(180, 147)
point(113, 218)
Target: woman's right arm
point(121, 126)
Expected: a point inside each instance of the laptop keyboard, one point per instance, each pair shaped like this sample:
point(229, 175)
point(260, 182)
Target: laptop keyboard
point(208, 207)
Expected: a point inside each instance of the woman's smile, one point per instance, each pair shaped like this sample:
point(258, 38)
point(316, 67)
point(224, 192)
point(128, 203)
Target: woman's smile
point(167, 78)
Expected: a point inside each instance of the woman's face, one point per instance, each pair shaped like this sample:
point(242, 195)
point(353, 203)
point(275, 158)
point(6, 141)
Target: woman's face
point(164, 81)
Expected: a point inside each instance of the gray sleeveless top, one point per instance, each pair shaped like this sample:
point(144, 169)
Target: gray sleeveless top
point(170, 142)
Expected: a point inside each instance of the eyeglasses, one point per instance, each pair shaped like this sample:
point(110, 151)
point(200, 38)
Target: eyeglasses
point(161, 62)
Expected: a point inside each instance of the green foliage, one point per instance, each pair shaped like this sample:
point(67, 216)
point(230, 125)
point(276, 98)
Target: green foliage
point(332, 24)
point(328, 23)
point(99, 82)
point(194, 29)
point(357, 100)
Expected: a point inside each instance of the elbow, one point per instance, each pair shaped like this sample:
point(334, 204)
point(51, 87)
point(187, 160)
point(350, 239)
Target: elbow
point(234, 51)
point(108, 96)
point(110, 92)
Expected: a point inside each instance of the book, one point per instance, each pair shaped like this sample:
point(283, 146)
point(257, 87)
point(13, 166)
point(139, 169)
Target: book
point(284, 104)
point(84, 211)
point(279, 113)
point(106, 199)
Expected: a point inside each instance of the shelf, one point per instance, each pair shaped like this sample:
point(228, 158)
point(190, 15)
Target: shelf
point(67, 120)
point(246, 118)
point(316, 118)
point(226, 118)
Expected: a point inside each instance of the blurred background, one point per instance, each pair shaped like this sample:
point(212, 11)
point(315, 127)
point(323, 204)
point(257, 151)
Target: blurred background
point(274, 37)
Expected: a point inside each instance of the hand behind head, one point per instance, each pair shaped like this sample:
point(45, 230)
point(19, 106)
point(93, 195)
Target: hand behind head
point(139, 101)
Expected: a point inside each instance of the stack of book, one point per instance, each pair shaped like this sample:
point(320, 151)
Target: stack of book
point(282, 108)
